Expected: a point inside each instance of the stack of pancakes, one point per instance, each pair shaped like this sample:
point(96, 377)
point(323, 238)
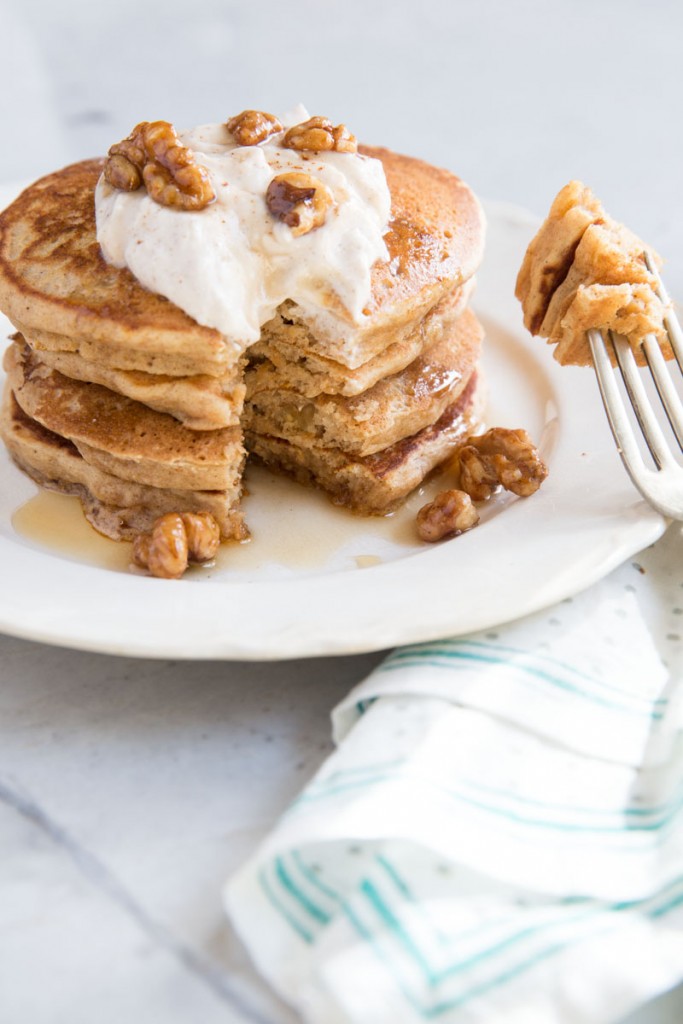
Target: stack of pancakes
point(115, 394)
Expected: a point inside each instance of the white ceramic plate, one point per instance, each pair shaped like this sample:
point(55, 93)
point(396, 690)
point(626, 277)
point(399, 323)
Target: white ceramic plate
point(316, 581)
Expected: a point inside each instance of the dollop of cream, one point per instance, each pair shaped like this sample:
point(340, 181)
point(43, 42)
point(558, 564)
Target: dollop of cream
point(230, 265)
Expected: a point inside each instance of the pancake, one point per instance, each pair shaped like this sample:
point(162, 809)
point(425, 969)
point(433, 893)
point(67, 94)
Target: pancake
point(394, 408)
point(435, 243)
point(53, 277)
point(117, 508)
point(632, 310)
point(375, 484)
point(550, 254)
point(108, 355)
point(200, 402)
point(121, 436)
point(585, 271)
point(608, 287)
point(285, 355)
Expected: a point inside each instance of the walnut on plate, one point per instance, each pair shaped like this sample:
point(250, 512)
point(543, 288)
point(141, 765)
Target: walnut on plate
point(299, 201)
point(253, 126)
point(175, 540)
point(319, 135)
point(152, 154)
point(450, 514)
point(500, 457)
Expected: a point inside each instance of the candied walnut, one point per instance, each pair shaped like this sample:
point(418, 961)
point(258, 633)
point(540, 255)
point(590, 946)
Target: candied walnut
point(153, 154)
point(477, 476)
point(299, 201)
point(318, 135)
point(500, 457)
point(253, 126)
point(122, 173)
point(203, 536)
point(176, 539)
point(164, 550)
point(126, 161)
point(450, 514)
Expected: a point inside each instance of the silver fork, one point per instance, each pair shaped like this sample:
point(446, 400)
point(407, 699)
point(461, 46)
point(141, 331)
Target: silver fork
point(662, 485)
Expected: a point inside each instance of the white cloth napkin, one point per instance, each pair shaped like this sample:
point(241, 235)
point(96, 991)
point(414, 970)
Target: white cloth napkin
point(498, 836)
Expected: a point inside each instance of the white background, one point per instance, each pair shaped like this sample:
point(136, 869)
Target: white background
point(119, 817)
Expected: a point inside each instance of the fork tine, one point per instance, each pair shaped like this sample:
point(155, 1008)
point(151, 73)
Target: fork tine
point(645, 415)
point(665, 388)
point(614, 406)
point(670, 319)
point(663, 486)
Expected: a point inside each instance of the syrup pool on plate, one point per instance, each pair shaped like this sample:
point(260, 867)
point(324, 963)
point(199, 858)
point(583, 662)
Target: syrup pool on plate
point(294, 531)
point(55, 522)
point(299, 528)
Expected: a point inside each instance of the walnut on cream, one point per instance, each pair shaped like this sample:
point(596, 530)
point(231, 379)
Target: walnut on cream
point(318, 135)
point(299, 201)
point(252, 127)
point(153, 154)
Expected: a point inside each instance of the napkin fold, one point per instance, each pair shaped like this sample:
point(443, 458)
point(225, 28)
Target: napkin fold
point(498, 836)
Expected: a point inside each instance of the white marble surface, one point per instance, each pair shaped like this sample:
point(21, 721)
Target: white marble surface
point(130, 789)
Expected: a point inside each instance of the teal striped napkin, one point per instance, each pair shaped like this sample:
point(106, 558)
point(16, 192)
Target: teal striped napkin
point(498, 836)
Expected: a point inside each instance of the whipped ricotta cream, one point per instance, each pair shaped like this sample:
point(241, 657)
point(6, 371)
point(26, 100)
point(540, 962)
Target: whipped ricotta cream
point(230, 265)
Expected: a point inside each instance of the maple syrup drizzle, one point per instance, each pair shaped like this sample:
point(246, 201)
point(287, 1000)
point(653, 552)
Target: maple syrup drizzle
point(293, 527)
point(56, 523)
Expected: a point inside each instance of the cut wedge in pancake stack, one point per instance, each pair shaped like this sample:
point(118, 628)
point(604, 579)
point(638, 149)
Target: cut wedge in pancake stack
point(140, 407)
point(370, 450)
point(367, 414)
